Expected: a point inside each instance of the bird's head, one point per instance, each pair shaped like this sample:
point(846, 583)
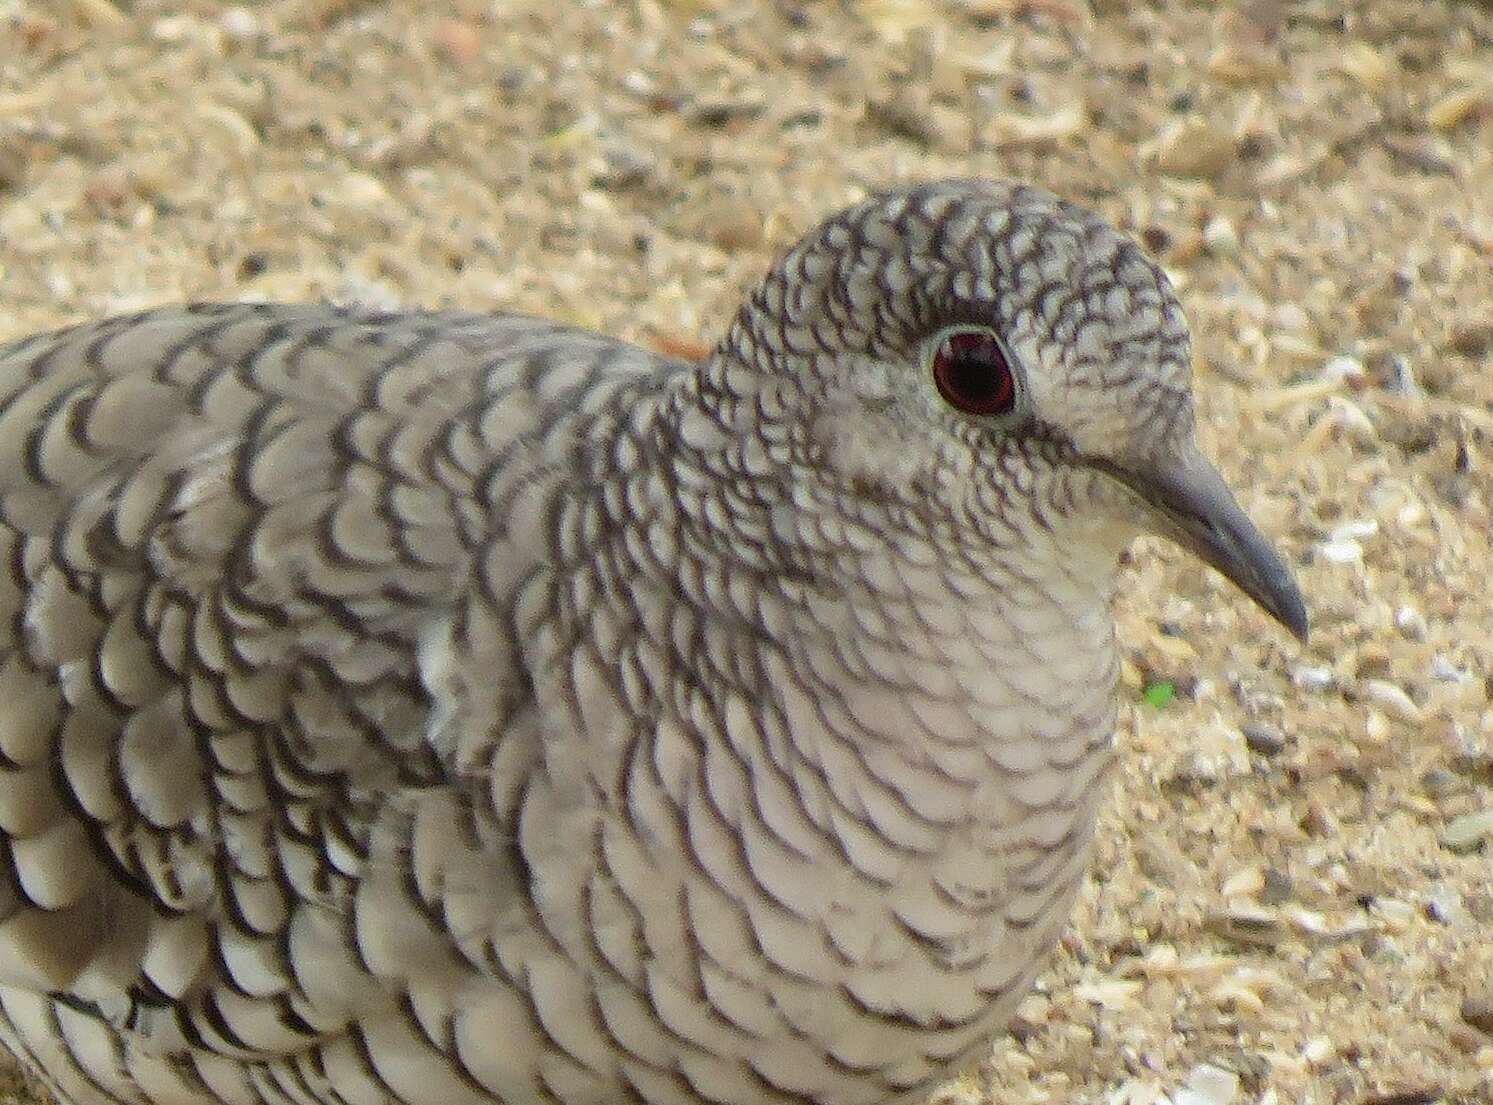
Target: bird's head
point(966, 341)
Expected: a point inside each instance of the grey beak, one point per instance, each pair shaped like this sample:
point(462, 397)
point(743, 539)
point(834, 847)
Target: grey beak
point(1196, 509)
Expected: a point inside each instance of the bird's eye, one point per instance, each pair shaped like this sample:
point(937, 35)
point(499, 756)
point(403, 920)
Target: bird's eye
point(971, 372)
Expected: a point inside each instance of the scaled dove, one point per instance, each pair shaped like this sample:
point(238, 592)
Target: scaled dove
point(447, 708)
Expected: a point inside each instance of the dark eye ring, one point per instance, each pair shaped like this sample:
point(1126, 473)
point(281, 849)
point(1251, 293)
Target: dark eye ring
point(972, 373)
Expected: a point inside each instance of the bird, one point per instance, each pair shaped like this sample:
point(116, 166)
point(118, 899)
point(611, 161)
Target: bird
point(439, 707)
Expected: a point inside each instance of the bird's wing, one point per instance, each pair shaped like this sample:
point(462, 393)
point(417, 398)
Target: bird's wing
point(237, 547)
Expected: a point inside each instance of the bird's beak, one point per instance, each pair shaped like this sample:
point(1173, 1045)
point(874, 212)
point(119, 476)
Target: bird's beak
point(1195, 508)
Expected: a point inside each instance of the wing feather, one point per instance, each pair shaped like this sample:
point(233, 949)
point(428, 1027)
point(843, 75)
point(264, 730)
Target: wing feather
point(236, 552)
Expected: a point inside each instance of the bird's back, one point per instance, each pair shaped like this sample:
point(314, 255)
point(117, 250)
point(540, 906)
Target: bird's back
point(236, 543)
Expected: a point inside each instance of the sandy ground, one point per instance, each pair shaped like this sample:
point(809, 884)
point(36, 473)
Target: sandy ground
point(1295, 899)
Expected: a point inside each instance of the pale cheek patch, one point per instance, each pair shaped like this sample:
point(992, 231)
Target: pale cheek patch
point(866, 431)
point(878, 446)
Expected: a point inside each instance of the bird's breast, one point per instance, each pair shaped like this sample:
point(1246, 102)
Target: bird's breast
point(816, 825)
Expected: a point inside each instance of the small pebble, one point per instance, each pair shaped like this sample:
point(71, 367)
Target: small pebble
point(1292, 317)
point(1277, 888)
point(1453, 109)
point(1243, 884)
point(1220, 237)
point(1311, 923)
point(1354, 530)
point(1247, 924)
point(638, 83)
point(1466, 1039)
point(719, 113)
point(1477, 1010)
point(1411, 623)
point(1349, 417)
point(1473, 339)
point(1411, 515)
point(1318, 1050)
point(625, 168)
point(1463, 742)
point(1394, 912)
point(1376, 727)
point(1415, 1095)
point(357, 190)
point(1318, 821)
point(731, 222)
point(1311, 677)
point(174, 29)
point(99, 13)
point(1009, 129)
point(1364, 64)
point(458, 40)
point(1217, 752)
point(1439, 782)
point(1393, 700)
point(1473, 760)
point(1110, 993)
point(1444, 905)
point(1262, 738)
point(13, 166)
point(1194, 148)
point(1444, 670)
point(1347, 370)
point(914, 117)
point(1208, 1085)
point(1340, 552)
point(239, 22)
point(1400, 376)
point(1244, 63)
point(1466, 833)
point(1424, 153)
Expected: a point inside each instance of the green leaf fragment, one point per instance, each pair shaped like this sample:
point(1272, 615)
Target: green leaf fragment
point(1159, 694)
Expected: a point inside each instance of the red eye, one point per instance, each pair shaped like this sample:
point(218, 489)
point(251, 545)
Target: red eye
point(971, 373)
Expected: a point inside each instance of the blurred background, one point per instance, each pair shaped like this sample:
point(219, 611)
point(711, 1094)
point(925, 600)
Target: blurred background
point(1293, 900)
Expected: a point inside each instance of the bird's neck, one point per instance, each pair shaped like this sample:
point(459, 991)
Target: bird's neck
point(885, 599)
